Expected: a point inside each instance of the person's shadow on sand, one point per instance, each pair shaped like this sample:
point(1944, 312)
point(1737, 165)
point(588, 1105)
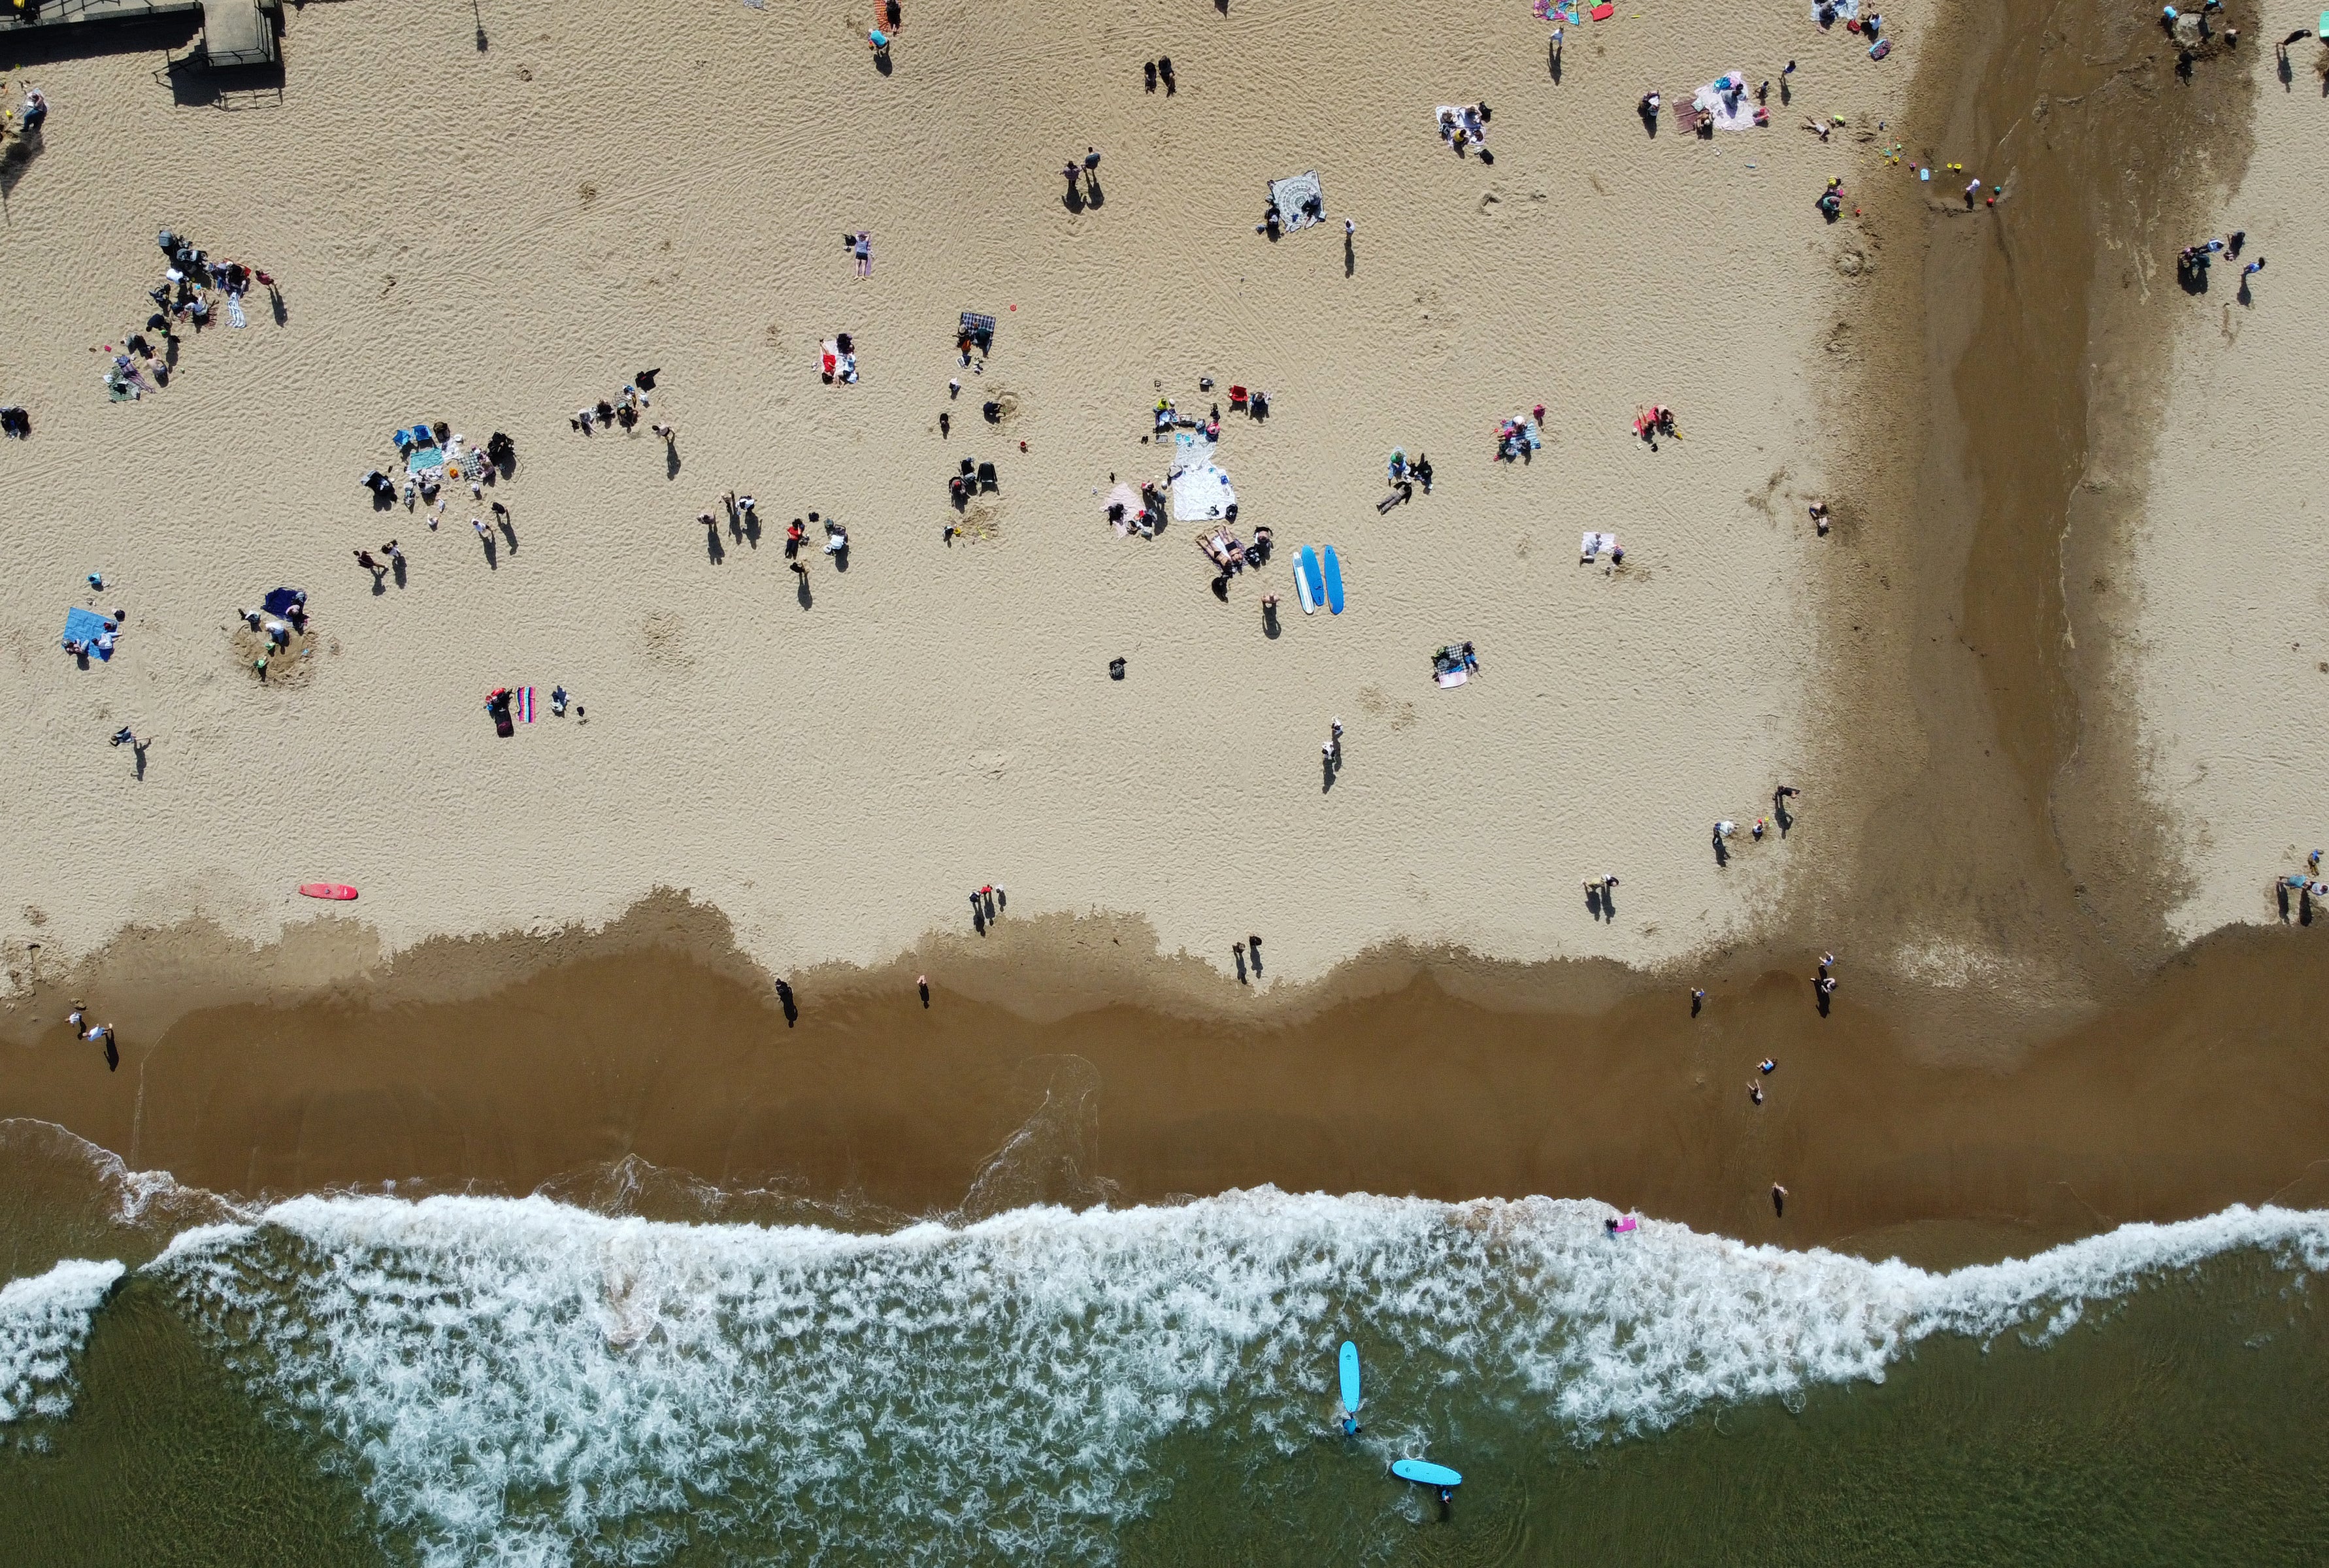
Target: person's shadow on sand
point(801, 592)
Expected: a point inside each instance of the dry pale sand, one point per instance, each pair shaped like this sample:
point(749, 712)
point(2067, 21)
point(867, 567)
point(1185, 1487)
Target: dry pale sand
point(2229, 652)
point(494, 237)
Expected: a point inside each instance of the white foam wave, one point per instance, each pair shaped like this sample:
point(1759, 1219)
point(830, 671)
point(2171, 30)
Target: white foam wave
point(517, 1381)
point(44, 1322)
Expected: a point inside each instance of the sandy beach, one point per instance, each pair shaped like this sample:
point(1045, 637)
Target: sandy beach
point(835, 775)
point(802, 782)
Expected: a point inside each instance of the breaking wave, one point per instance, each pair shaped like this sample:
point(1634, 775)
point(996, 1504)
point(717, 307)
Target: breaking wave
point(518, 1381)
point(44, 1322)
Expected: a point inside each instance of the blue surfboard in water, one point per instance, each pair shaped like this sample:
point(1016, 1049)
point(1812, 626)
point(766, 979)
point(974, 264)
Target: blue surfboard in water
point(1333, 580)
point(1313, 592)
point(1349, 1378)
point(1427, 1473)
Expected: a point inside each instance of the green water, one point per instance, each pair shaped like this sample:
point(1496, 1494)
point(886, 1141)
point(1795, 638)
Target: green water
point(2183, 1425)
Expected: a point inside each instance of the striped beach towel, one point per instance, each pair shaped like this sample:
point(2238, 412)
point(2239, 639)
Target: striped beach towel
point(524, 703)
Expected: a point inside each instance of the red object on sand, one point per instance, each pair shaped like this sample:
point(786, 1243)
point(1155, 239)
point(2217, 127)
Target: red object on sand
point(336, 890)
point(1603, 12)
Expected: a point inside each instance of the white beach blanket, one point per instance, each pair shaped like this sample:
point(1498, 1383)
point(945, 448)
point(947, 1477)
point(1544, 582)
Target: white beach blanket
point(1467, 115)
point(234, 311)
point(1201, 493)
point(1731, 113)
point(1448, 678)
point(1845, 10)
point(1592, 544)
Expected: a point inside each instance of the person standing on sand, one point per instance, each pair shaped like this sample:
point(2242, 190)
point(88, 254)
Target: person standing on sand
point(1779, 1201)
point(1238, 948)
point(922, 984)
point(1697, 1001)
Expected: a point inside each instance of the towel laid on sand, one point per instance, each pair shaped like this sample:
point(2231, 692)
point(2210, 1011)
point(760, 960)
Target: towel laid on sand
point(1734, 109)
point(84, 625)
point(1300, 201)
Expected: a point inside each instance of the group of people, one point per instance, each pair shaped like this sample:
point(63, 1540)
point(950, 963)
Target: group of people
point(1467, 127)
point(78, 1021)
point(622, 409)
point(1087, 172)
point(1234, 554)
point(2191, 262)
point(1160, 70)
point(986, 904)
point(1517, 439)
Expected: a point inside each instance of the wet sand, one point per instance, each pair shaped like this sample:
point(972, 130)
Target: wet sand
point(2018, 1054)
point(1434, 1075)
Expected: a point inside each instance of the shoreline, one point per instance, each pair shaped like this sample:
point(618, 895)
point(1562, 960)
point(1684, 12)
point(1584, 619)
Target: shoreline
point(2184, 1098)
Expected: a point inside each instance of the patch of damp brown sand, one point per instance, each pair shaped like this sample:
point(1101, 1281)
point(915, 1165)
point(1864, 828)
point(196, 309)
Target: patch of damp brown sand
point(648, 1049)
point(2005, 869)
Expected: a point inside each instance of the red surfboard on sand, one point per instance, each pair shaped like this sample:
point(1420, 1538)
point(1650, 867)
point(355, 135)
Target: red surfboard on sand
point(339, 890)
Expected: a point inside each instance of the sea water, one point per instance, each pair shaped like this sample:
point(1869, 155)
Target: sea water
point(463, 1379)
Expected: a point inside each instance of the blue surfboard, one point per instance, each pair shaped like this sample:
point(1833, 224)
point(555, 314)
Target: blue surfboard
point(1350, 1377)
point(1306, 573)
point(1426, 1472)
point(1333, 580)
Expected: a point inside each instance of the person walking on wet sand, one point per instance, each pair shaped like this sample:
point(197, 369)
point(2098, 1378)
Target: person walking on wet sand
point(922, 984)
point(1754, 1091)
point(1238, 949)
point(1779, 1201)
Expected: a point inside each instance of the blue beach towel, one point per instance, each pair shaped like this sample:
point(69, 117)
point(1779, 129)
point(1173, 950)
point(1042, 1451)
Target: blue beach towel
point(83, 627)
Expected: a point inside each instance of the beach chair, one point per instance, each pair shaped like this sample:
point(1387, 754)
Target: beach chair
point(986, 479)
point(1237, 396)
